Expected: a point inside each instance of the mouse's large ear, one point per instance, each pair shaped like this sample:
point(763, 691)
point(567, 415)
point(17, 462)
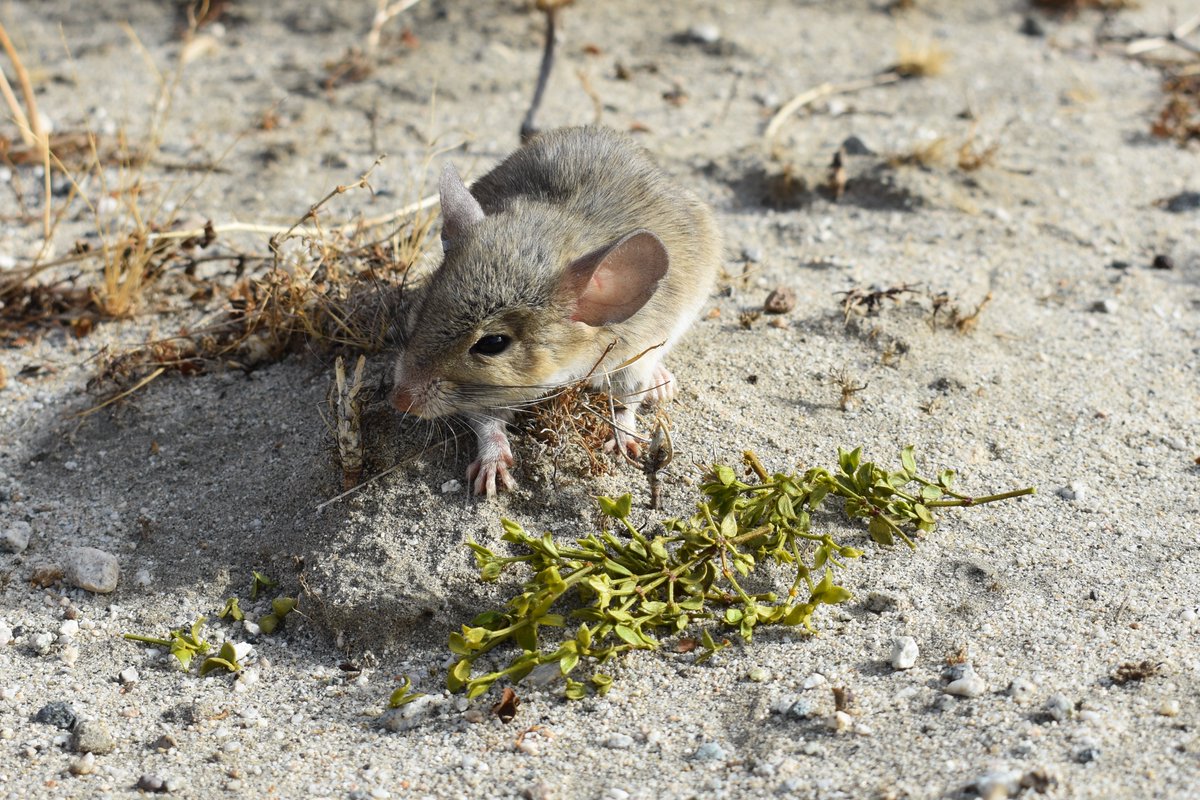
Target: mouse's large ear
point(460, 209)
point(611, 284)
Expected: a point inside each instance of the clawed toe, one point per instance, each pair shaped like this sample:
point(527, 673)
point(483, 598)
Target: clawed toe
point(487, 477)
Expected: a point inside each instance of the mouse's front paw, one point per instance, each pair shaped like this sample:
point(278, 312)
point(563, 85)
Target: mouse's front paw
point(626, 440)
point(489, 472)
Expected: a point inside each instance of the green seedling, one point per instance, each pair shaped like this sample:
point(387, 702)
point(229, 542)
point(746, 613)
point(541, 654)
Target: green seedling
point(280, 608)
point(184, 645)
point(226, 658)
point(626, 589)
point(403, 695)
point(232, 610)
point(260, 584)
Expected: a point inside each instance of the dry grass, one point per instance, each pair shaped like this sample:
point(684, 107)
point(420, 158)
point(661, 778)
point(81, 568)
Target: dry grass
point(1179, 118)
point(920, 59)
point(925, 154)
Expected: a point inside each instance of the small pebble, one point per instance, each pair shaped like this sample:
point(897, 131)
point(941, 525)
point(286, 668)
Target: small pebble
point(410, 715)
point(760, 675)
point(59, 714)
point(1162, 261)
point(1184, 201)
point(1086, 755)
point(128, 676)
point(16, 536)
point(69, 655)
point(969, 685)
point(840, 722)
point(91, 569)
point(997, 784)
point(1032, 26)
point(164, 743)
point(1060, 707)
point(619, 741)
point(6, 635)
point(84, 765)
point(752, 254)
point(1075, 490)
point(704, 34)
point(814, 680)
point(1105, 306)
point(151, 783)
point(1021, 689)
point(709, 751)
point(904, 652)
point(92, 737)
point(780, 301)
point(42, 643)
point(68, 629)
point(1169, 708)
point(451, 486)
point(854, 146)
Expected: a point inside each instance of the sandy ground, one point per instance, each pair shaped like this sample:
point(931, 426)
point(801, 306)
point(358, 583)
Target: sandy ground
point(1081, 378)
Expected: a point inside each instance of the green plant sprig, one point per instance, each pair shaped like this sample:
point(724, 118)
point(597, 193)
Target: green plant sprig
point(183, 644)
point(630, 589)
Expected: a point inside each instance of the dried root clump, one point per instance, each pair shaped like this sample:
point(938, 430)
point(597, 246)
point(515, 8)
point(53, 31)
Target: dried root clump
point(1179, 119)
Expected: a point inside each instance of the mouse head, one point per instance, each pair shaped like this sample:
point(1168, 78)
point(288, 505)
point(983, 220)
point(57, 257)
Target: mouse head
point(513, 312)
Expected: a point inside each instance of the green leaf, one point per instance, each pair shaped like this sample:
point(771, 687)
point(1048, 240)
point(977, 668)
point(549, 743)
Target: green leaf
point(602, 683)
point(283, 606)
point(617, 508)
point(232, 610)
point(259, 583)
point(729, 526)
point(930, 492)
point(924, 513)
point(946, 478)
point(268, 623)
point(724, 474)
point(733, 615)
point(568, 663)
point(880, 531)
point(626, 633)
point(526, 638)
point(909, 461)
point(575, 690)
point(848, 461)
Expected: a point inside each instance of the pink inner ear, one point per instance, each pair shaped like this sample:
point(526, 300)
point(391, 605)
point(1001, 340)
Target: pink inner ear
point(613, 283)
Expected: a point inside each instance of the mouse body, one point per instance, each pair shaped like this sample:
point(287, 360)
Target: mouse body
point(575, 244)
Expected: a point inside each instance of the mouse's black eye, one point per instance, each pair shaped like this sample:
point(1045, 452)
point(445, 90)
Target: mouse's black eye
point(491, 345)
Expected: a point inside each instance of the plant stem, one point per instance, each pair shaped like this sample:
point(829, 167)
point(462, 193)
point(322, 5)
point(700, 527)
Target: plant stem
point(967, 502)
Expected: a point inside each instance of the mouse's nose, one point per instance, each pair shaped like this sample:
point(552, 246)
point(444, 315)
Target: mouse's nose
point(404, 401)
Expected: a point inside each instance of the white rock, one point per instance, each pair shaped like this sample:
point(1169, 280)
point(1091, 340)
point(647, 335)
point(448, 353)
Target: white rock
point(704, 33)
point(84, 765)
point(68, 629)
point(451, 486)
point(6, 635)
point(128, 676)
point(904, 652)
point(410, 715)
point(619, 741)
point(1021, 689)
point(1169, 708)
point(997, 784)
point(69, 655)
point(1060, 707)
point(16, 536)
point(91, 569)
point(814, 680)
point(969, 685)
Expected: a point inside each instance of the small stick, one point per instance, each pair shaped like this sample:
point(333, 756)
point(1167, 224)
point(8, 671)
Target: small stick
point(824, 90)
point(276, 230)
point(123, 394)
point(383, 13)
point(529, 128)
point(33, 124)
